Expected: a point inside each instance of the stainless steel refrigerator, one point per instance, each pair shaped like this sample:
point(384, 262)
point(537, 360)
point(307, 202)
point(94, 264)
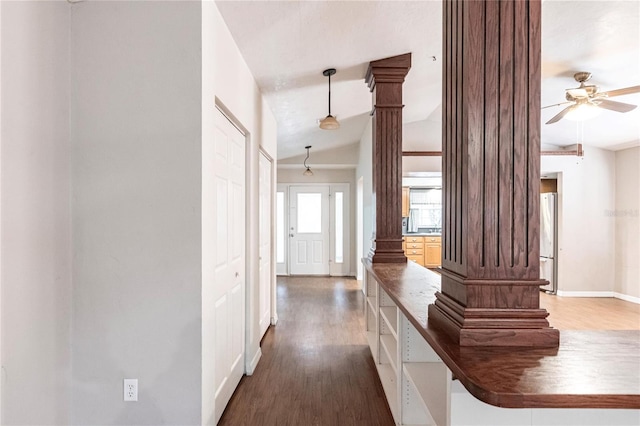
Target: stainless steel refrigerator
point(549, 241)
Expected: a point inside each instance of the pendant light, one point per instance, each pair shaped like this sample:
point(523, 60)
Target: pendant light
point(308, 171)
point(329, 122)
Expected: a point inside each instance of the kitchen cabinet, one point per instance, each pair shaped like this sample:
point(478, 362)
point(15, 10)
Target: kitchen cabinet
point(414, 249)
point(405, 201)
point(432, 251)
point(423, 250)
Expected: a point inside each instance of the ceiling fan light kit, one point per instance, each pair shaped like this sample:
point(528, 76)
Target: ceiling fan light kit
point(583, 111)
point(587, 101)
point(329, 122)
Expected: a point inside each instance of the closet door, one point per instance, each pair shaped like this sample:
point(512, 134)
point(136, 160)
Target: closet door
point(230, 218)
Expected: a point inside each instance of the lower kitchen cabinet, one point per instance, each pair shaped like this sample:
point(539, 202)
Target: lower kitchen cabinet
point(414, 249)
point(423, 250)
point(432, 252)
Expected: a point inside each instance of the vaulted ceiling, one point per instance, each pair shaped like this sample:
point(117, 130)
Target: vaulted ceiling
point(288, 44)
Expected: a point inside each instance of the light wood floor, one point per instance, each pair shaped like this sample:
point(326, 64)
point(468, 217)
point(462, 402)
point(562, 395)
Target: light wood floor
point(590, 313)
point(316, 366)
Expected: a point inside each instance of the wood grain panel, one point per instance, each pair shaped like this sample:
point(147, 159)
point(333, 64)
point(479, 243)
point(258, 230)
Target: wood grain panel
point(385, 78)
point(491, 161)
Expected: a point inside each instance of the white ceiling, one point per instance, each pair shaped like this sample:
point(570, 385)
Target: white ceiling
point(287, 45)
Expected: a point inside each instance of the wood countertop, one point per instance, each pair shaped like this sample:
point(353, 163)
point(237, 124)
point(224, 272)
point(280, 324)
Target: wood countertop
point(590, 369)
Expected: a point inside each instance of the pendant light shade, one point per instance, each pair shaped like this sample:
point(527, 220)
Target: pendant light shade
point(329, 122)
point(308, 171)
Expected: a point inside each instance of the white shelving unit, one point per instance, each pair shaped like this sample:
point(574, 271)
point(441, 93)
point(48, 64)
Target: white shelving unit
point(371, 309)
point(420, 389)
point(414, 379)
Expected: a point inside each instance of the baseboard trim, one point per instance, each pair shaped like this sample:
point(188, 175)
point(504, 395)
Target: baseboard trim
point(254, 362)
point(274, 319)
point(626, 297)
point(614, 294)
point(585, 293)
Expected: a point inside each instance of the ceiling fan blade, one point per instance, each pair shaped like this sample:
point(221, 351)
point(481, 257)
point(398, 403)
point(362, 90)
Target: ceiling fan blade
point(620, 92)
point(561, 114)
point(615, 105)
point(578, 93)
point(554, 105)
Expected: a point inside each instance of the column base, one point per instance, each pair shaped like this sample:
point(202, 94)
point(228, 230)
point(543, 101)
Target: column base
point(387, 251)
point(486, 321)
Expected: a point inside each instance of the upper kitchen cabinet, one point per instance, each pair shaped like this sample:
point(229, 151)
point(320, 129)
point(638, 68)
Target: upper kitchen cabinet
point(405, 201)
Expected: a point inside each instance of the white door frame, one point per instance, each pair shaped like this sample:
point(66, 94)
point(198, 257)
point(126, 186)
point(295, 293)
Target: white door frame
point(284, 270)
point(359, 228)
point(271, 226)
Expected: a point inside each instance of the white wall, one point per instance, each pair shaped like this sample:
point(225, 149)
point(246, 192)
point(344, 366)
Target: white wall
point(36, 217)
point(136, 140)
point(586, 237)
point(340, 157)
point(365, 170)
point(627, 222)
point(287, 175)
point(423, 135)
point(109, 105)
point(421, 164)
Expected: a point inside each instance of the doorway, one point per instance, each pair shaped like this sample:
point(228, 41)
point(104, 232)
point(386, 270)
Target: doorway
point(309, 230)
point(313, 229)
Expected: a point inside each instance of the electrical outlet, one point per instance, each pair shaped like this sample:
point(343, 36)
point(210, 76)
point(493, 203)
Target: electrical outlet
point(130, 389)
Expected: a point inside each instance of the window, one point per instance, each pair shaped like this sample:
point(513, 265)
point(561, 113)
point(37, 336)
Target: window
point(280, 231)
point(339, 227)
point(309, 213)
point(426, 207)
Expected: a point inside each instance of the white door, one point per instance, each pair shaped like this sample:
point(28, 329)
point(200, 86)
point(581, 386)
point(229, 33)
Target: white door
point(309, 230)
point(230, 260)
point(265, 245)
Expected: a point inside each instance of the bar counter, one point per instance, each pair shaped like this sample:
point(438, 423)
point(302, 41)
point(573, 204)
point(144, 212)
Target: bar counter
point(590, 369)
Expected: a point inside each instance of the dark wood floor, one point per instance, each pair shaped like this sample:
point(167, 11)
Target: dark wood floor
point(316, 367)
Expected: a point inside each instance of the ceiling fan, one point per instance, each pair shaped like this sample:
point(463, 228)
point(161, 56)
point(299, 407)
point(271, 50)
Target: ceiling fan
point(586, 99)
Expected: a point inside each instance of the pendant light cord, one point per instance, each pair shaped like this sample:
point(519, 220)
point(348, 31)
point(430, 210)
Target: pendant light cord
point(329, 94)
point(305, 160)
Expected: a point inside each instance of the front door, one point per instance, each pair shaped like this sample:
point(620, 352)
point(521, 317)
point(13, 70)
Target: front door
point(309, 230)
point(229, 290)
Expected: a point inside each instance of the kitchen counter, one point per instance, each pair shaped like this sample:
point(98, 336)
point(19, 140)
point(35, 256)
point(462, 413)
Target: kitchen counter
point(590, 369)
point(422, 234)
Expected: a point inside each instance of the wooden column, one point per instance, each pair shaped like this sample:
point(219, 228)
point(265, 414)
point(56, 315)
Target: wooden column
point(385, 78)
point(491, 176)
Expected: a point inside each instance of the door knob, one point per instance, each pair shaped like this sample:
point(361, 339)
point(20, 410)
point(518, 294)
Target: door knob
point(237, 274)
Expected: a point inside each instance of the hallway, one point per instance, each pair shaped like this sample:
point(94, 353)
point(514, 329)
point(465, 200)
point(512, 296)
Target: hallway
point(316, 367)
